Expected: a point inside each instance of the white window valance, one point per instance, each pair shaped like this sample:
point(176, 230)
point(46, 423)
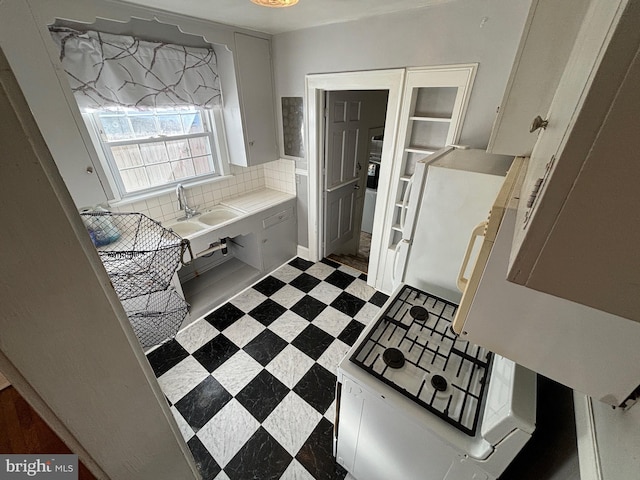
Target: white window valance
point(116, 71)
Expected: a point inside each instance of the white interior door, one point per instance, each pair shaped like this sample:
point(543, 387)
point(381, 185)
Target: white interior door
point(344, 159)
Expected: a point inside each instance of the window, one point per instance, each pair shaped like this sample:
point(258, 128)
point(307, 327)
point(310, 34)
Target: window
point(152, 149)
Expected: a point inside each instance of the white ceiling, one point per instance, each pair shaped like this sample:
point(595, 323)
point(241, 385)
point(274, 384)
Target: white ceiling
point(307, 13)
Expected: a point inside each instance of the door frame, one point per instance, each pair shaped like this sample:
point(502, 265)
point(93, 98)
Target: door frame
point(315, 87)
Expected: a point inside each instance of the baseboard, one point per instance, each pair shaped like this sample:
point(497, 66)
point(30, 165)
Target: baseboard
point(303, 252)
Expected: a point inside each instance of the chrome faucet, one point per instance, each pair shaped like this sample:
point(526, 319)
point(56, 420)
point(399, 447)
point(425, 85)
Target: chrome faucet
point(183, 205)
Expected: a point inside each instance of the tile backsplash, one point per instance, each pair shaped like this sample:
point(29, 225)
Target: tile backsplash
point(278, 175)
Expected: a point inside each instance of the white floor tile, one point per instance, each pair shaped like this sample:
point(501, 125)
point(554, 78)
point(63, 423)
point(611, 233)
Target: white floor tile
point(290, 366)
point(287, 296)
point(350, 270)
point(243, 330)
point(224, 476)
point(325, 292)
point(332, 356)
point(196, 335)
point(360, 289)
point(320, 270)
point(185, 429)
point(286, 273)
point(332, 321)
point(366, 313)
point(295, 471)
point(330, 414)
point(288, 325)
point(226, 433)
point(237, 372)
point(248, 300)
point(292, 422)
point(182, 378)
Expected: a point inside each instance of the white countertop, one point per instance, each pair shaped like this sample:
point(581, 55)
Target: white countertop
point(608, 440)
point(257, 200)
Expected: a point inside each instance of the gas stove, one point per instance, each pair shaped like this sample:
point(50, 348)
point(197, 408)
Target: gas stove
point(413, 349)
point(415, 401)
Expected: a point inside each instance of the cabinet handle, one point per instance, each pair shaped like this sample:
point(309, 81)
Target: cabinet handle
point(537, 123)
point(251, 143)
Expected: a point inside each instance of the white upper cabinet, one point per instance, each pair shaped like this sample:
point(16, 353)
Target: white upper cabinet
point(547, 40)
point(578, 228)
point(256, 100)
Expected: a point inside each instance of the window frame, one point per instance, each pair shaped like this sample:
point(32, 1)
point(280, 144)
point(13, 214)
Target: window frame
point(213, 129)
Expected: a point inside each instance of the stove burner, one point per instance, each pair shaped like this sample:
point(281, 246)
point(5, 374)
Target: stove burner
point(393, 357)
point(439, 383)
point(419, 313)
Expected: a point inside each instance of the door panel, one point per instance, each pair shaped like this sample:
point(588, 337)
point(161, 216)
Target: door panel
point(339, 215)
point(343, 165)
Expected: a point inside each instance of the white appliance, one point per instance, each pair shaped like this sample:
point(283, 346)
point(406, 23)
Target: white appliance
point(417, 402)
point(450, 192)
point(591, 351)
point(414, 400)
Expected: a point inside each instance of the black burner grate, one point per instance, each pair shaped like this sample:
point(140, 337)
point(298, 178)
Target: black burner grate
point(441, 372)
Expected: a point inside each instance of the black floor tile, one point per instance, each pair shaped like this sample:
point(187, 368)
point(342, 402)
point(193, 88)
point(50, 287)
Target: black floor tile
point(207, 466)
point(313, 341)
point(305, 282)
point(225, 316)
point(348, 304)
point(215, 352)
point(166, 356)
point(331, 263)
point(265, 347)
point(340, 279)
point(203, 402)
point(300, 263)
point(261, 458)
point(317, 387)
point(351, 332)
point(262, 395)
point(363, 276)
point(378, 299)
point(269, 286)
point(308, 307)
point(267, 312)
point(316, 455)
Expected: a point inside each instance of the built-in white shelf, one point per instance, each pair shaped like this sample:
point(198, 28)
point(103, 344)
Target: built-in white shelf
point(396, 227)
point(405, 178)
point(425, 150)
point(430, 119)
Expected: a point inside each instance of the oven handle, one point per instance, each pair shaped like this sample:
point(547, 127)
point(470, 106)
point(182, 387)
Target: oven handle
point(478, 231)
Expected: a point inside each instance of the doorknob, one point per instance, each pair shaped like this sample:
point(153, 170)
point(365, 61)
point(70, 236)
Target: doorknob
point(356, 187)
point(537, 123)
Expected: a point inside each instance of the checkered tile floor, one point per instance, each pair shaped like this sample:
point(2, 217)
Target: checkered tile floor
point(252, 385)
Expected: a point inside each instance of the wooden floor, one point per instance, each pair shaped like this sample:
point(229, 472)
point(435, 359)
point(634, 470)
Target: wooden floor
point(359, 261)
point(23, 431)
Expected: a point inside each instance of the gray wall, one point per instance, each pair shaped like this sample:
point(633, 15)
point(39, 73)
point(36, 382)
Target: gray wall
point(444, 34)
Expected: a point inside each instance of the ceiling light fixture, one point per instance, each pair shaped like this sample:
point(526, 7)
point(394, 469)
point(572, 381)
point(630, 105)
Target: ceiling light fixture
point(275, 3)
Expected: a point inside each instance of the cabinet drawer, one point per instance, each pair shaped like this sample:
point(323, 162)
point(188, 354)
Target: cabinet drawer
point(277, 218)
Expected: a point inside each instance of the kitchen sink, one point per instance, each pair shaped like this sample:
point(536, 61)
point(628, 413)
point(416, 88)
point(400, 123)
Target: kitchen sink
point(186, 228)
point(218, 214)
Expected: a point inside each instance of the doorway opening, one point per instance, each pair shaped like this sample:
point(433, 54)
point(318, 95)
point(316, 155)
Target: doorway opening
point(353, 141)
point(387, 83)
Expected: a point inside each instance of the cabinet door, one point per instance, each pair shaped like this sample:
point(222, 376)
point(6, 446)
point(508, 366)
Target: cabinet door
point(547, 40)
point(279, 240)
point(577, 234)
point(255, 83)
